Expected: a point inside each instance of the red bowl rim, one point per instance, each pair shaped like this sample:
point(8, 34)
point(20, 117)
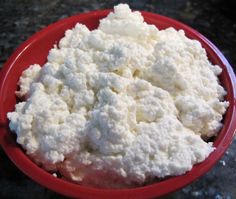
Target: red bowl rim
point(154, 190)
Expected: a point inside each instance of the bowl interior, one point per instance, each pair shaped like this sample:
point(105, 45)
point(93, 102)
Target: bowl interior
point(35, 50)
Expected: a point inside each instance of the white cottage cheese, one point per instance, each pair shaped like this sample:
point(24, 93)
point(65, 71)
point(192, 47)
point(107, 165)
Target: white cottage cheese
point(120, 105)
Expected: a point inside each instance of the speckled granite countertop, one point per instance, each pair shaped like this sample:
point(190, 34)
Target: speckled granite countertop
point(213, 18)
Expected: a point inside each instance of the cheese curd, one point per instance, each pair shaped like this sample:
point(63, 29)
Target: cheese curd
point(120, 105)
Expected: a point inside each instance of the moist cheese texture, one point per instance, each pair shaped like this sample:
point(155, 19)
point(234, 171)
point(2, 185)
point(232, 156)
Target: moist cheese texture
point(120, 105)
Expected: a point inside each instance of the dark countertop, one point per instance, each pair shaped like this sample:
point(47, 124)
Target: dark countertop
point(213, 18)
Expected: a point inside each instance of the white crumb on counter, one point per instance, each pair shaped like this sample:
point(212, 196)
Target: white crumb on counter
point(222, 162)
point(120, 105)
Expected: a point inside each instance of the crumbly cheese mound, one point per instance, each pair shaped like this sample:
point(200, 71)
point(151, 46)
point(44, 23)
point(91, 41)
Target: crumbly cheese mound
point(120, 105)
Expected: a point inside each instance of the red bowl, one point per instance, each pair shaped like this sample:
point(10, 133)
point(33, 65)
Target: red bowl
point(35, 50)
